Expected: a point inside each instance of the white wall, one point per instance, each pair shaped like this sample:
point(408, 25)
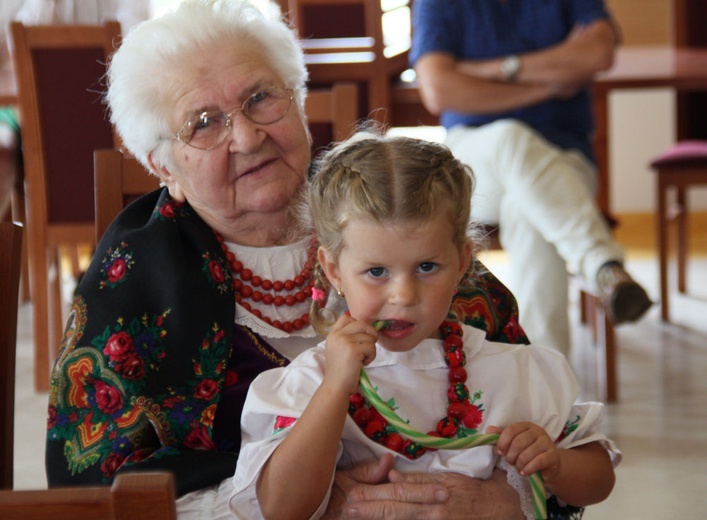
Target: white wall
point(641, 124)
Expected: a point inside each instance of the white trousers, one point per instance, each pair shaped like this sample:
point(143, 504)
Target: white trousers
point(543, 200)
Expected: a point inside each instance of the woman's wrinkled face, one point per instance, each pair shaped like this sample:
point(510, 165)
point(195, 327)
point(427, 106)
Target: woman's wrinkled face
point(252, 175)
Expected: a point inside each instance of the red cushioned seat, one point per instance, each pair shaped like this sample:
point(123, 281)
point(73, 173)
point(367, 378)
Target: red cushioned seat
point(683, 152)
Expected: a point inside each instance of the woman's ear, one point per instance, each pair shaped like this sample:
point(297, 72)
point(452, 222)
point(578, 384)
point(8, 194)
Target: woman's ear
point(168, 179)
point(329, 266)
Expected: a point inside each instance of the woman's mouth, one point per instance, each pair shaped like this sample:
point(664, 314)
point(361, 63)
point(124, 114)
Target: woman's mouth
point(257, 168)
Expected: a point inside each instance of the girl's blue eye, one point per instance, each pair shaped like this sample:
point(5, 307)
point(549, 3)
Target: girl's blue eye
point(427, 267)
point(376, 272)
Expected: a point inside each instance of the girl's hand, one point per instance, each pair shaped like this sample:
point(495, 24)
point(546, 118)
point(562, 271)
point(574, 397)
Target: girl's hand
point(528, 448)
point(350, 345)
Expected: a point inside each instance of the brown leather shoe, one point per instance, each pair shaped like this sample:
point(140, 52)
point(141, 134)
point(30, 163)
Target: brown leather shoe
point(623, 298)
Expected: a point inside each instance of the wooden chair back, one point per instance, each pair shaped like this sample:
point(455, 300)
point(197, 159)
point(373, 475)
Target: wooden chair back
point(345, 40)
point(132, 496)
point(10, 262)
point(60, 70)
point(118, 180)
point(332, 113)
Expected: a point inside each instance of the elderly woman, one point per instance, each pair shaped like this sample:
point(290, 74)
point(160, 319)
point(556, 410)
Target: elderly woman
point(198, 287)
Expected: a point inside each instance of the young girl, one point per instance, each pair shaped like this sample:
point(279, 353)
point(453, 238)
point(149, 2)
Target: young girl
point(392, 217)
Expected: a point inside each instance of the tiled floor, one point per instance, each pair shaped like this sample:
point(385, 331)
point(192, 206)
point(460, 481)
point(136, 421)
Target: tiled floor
point(660, 421)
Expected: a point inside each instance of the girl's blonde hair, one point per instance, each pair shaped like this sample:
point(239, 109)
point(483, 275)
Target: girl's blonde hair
point(392, 180)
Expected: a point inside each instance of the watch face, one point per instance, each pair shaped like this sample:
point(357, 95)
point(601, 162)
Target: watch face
point(510, 67)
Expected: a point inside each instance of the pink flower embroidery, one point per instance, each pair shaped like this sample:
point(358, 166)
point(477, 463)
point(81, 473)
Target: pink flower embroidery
point(283, 422)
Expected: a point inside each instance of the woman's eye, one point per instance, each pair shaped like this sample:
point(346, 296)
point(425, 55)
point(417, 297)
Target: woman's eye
point(376, 272)
point(258, 97)
point(206, 121)
point(427, 267)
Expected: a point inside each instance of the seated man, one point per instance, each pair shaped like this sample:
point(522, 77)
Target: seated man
point(510, 80)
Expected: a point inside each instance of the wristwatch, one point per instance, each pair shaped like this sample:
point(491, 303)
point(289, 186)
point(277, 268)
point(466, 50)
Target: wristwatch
point(510, 66)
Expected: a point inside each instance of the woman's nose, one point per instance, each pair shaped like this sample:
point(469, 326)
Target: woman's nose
point(244, 135)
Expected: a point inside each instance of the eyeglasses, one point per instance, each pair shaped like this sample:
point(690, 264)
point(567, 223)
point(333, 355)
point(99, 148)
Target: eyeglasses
point(209, 129)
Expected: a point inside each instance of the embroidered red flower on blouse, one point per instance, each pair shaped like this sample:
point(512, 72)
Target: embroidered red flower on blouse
point(282, 422)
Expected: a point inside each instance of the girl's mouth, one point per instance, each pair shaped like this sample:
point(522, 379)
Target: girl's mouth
point(393, 328)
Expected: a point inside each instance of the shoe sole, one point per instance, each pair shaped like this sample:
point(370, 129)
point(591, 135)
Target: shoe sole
point(630, 303)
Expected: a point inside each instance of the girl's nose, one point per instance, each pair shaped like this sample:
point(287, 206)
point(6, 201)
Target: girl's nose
point(404, 293)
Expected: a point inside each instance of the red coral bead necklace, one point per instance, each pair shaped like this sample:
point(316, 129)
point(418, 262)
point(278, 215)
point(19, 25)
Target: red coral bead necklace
point(462, 416)
point(247, 286)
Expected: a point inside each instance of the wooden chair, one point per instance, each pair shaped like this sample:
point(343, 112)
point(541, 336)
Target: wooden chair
point(332, 113)
point(10, 262)
point(17, 206)
point(344, 40)
point(118, 180)
point(59, 73)
point(679, 168)
point(133, 496)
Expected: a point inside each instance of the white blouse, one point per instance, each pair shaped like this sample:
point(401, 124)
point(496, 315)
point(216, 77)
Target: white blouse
point(509, 383)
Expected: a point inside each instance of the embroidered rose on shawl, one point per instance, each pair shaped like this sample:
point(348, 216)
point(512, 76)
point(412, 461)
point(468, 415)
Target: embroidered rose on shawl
point(108, 398)
point(51, 417)
point(133, 349)
point(217, 272)
point(206, 389)
point(231, 378)
point(512, 333)
point(170, 210)
point(111, 464)
point(167, 211)
point(199, 439)
point(132, 367)
point(117, 270)
point(119, 346)
point(115, 266)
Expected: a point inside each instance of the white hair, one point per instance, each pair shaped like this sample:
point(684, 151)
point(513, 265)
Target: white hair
point(156, 54)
